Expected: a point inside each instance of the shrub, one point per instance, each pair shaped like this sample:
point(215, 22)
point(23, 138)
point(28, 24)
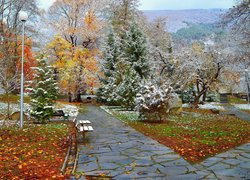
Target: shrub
point(154, 102)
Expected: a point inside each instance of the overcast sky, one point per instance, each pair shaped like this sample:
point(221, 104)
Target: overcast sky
point(170, 4)
point(45, 3)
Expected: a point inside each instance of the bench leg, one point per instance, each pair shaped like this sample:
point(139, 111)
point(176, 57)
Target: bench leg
point(84, 134)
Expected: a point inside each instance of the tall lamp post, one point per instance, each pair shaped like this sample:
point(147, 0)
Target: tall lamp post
point(248, 86)
point(23, 16)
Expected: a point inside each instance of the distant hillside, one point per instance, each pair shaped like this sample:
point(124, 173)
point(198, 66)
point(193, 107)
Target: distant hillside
point(177, 19)
point(198, 32)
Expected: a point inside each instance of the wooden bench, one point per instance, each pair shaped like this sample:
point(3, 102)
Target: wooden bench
point(60, 113)
point(84, 126)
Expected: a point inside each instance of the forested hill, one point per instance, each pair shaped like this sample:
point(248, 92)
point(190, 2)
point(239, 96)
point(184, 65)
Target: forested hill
point(177, 19)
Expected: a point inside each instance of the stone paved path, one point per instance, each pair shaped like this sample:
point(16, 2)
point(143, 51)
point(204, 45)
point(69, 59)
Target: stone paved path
point(233, 164)
point(236, 111)
point(120, 152)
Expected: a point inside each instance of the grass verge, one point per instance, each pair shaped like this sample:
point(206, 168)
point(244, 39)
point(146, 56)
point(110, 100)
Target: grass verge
point(34, 152)
point(195, 136)
point(246, 110)
point(235, 100)
point(13, 98)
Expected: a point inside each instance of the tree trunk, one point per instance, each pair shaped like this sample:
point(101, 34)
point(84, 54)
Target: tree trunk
point(196, 101)
point(70, 97)
point(204, 96)
point(78, 96)
point(204, 86)
point(197, 98)
point(8, 105)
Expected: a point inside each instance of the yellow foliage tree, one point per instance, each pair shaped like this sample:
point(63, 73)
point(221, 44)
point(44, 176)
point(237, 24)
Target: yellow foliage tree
point(61, 50)
point(77, 67)
point(75, 49)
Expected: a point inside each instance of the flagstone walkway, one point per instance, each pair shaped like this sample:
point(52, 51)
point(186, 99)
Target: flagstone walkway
point(236, 111)
point(120, 152)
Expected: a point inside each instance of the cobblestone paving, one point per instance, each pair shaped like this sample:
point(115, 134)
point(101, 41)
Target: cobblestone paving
point(120, 152)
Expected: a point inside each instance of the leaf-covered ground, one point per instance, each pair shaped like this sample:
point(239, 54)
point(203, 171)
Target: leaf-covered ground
point(35, 152)
point(235, 100)
point(194, 135)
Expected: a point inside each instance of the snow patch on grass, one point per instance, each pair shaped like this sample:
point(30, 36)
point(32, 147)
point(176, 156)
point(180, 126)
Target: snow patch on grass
point(242, 106)
point(71, 110)
point(13, 108)
point(212, 105)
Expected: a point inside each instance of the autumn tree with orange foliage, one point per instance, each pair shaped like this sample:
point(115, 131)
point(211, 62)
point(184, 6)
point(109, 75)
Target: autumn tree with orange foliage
point(10, 64)
point(10, 39)
point(74, 49)
point(10, 46)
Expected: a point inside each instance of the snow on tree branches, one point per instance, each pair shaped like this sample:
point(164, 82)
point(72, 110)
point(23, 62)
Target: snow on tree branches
point(43, 92)
point(125, 65)
point(153, 102)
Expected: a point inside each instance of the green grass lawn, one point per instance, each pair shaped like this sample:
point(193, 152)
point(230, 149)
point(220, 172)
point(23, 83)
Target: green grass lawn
point(194, 135)
point(235, 100)
point(247, 111)
point(13, 98)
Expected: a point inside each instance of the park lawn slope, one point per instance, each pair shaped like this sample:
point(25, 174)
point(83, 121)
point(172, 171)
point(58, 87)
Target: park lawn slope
point(35, 152)
point(247, 111)
point(195, 136)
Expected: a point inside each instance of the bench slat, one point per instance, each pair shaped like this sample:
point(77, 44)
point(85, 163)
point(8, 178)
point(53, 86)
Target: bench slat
point(90, 128)
point(81, 124)
point(85, 128)
point(84, 122)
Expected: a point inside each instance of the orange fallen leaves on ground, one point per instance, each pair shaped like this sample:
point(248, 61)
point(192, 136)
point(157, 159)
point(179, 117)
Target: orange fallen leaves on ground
point(37, 152)
point(197, 135)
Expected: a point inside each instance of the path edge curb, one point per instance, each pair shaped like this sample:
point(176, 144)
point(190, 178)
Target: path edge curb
point(110, 113)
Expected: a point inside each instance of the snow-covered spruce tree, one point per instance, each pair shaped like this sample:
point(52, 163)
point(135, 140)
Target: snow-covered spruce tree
point(128, 88)
point(111, 56)
point(43, 92)
point(133, 66)
point(112, 53)
point(136, 50)
point(153, 102)
point(125, 65)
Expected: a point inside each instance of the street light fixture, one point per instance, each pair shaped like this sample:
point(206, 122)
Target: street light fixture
point(23, 16)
